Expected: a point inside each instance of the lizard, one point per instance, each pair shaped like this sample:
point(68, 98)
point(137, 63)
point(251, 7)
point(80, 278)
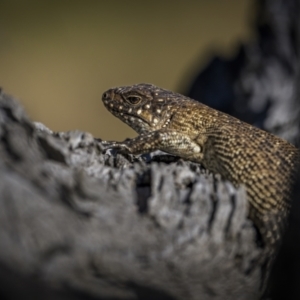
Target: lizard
point(239, 152)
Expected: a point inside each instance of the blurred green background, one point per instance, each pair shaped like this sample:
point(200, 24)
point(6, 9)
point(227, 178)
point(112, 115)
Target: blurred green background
point(58, 57)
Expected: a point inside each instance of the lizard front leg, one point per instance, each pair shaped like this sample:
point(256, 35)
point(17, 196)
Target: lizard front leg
point(166, 140)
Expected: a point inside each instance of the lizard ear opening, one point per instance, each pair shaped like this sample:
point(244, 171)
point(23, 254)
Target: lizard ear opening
point(133, 99)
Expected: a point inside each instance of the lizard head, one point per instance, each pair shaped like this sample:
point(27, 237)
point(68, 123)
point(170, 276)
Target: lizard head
point(144, 107)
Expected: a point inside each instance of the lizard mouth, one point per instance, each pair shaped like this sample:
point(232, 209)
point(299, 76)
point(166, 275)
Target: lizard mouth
point(131, 119)
point(134, 120)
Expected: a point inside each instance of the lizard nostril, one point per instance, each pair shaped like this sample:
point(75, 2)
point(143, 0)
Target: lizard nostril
point(105, 96)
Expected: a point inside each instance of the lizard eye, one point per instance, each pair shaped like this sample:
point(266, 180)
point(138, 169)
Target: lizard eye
point(133, 99)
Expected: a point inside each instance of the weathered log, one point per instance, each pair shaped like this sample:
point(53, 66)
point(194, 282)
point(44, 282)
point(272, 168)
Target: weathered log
point(119, 227)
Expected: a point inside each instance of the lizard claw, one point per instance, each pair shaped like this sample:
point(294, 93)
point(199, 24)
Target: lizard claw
point(120, 148)
point(117, 146)
point(105, 145)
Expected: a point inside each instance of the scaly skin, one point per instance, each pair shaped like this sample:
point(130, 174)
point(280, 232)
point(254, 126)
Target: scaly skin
point(241, 153)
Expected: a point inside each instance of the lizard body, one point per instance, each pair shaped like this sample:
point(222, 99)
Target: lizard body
point(239, 152)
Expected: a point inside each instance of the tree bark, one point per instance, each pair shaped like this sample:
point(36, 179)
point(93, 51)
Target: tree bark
point(115, 227)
